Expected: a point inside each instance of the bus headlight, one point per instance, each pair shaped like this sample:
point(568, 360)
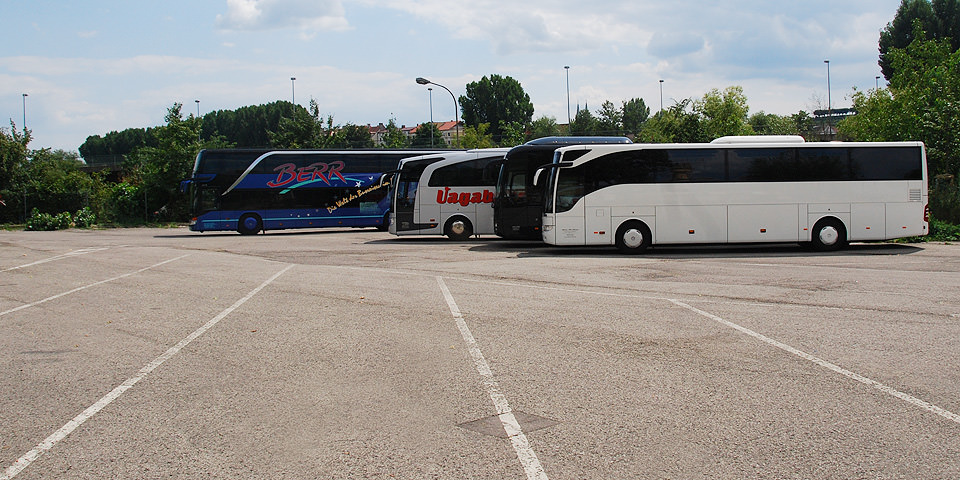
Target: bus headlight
point(548, 228)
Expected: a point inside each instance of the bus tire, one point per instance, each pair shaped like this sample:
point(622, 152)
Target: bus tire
point(458, 229)
point(249, 224)
point(633, 237)
point(829, 234)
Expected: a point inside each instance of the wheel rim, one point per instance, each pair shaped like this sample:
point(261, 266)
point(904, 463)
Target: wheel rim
point(633, 238)
point(458, 227)
point(250, 223)
point(829, 235)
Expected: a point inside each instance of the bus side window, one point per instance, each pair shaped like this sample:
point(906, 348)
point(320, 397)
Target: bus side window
point(569, 191)
point(209, 199)
point(518, 186)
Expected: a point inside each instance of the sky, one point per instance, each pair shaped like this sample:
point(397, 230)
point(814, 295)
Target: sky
point(92, 67)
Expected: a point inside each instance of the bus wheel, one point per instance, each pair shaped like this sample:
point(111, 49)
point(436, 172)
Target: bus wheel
point(633, 237)
point(249, 224)
point(458, 229)
point(829, 234)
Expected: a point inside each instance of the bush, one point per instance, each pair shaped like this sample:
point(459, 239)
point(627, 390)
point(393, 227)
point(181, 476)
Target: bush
point(126, 203)
point(84, 218)
point(941, 231)
point(46, 222)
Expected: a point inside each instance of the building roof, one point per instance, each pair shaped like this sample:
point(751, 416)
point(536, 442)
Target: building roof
point(446, 126)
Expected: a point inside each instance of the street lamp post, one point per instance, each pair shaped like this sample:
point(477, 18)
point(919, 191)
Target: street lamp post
point(877, 78)
point(432, 126)
point(456, 106)
point(198, 116)
point(567, 68)
point(829, 100)
point(829, 128)
point(661, 95)
point(25, 134)
point(293, 90)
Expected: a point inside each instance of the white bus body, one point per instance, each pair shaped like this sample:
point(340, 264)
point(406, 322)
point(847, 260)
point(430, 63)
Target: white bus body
point(453, 196)
point(827, 194)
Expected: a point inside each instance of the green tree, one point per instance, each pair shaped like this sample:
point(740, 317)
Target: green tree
point(306, 129)
point(544, 127)
point(157, 171)
point(939, 19)
point(771, 124)
point(394, 137)
point(609, 119)
point(674, 125)
point(803, 123)
point(922, 103)
point(493, 100)
point(724, 113)
point(357, 136)
point(584, 123)
point(55, 183)
point(13, 160)
point(634, 112)
point(250, 127)
point(245, 127)
point(477, 137)
point(899, 32)
point(947, 15)
point(97, 149)
point(428, 136)
point(512, 134)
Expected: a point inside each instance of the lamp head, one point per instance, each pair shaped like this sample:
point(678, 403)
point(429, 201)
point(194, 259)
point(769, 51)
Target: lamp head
point(422, 81)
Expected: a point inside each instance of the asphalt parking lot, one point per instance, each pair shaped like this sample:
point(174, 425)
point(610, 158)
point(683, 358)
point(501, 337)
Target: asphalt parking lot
point(163, 353)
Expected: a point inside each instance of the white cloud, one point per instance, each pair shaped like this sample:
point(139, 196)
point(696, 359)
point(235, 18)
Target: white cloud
point(526, 27)
point(673, 44)
point(309, 16)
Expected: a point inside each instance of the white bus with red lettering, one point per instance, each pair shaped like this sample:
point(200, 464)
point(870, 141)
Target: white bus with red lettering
point(446, 194)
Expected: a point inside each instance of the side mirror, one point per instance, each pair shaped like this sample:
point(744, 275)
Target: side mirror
point(544, 168)
point(536, 177)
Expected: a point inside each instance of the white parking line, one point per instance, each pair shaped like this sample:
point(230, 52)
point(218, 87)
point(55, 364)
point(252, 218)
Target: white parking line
point(74, 253)
point(830, 366)
point(526, 455)
point(816, 360)
point(101, 282)
point(31, 456)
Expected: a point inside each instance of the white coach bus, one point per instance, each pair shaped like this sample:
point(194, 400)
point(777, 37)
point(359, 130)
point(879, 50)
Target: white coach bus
point(735, 190)
point(446, 194)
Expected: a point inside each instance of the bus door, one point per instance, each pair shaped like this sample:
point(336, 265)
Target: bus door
point(597, 225)
point(570, 209)
point(206, 207)
point(404, 205)
point(406, 201)
point(427, 208)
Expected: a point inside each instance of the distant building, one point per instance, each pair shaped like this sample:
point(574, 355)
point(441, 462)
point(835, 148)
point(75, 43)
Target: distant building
point(825, 122)
point(377, 133)
point(448, 132)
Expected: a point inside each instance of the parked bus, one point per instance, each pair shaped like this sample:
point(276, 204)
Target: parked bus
point(518, 204)
point(735, 189)
point(449, 194)
point(257, 190)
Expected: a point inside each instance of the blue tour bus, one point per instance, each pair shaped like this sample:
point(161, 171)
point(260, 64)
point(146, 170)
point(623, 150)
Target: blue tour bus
point(257, 190)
